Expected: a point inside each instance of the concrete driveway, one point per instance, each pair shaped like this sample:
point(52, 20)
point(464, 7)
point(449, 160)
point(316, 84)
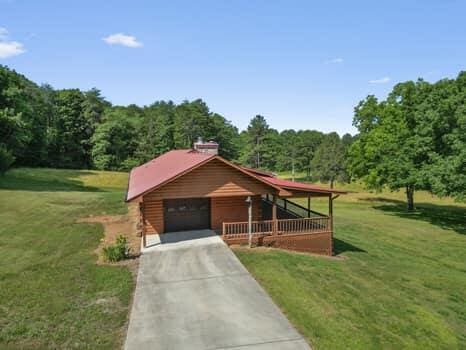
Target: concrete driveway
point(195, 294)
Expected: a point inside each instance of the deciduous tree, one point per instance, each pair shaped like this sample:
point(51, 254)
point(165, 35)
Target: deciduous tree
point(115, 142)
point(414, 140)
point(329, 161)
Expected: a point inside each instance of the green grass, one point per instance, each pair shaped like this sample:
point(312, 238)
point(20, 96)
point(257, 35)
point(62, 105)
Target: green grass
point(399, 279)
point(52, 294)
point(399, 282)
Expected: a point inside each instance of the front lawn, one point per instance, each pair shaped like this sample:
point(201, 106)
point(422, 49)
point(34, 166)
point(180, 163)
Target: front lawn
point(398, 281)
point(52, 294)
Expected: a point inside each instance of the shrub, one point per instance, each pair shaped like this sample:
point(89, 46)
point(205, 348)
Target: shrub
point(117, 251)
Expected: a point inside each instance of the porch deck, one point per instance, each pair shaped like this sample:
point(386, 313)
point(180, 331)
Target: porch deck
point(310, 235)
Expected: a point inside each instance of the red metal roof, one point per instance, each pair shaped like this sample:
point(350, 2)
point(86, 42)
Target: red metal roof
point(287, 184)
point(162, 169)
point(299, 186)
point(173, 164)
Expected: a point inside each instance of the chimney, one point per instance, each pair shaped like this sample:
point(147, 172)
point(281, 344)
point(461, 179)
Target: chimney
point(210, 147)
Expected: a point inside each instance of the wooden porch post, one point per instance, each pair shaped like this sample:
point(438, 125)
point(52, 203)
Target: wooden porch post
point(309, 206)
point(141, 210)
point(330, 211)
point(274, 215)
point(330, 215)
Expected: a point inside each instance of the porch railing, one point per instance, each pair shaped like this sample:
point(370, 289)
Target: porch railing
point(286, 226)
point(317, 224)
point(240, 229)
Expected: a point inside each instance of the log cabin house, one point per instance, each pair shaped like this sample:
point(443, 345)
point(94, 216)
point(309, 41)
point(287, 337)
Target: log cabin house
point(194, 189)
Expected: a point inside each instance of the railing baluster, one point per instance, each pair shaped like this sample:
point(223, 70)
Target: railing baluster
point(286, 226)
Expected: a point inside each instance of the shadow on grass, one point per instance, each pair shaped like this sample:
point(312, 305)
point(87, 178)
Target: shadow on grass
point(45, 180)
point(340, 246)
point(445, 216)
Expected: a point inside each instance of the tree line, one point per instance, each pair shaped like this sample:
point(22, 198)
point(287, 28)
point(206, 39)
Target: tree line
point(320, 156)
point(412, 140)
point(69, 128)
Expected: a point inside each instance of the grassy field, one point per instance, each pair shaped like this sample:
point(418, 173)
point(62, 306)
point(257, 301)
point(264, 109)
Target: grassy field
point(52, 294)
point(398, 281)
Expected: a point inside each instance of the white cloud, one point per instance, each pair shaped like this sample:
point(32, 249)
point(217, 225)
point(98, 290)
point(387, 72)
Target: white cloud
point(383, 80)
point(337, 60)
point(122, 39)
point(9, 48)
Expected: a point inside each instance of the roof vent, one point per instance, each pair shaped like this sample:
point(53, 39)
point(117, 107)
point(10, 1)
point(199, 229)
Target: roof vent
point(210, 147)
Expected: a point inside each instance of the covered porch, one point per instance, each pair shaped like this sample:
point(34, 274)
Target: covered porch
point(286, 224)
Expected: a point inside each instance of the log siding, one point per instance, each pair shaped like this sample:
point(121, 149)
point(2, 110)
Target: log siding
point(214, 179)
point(232, 209)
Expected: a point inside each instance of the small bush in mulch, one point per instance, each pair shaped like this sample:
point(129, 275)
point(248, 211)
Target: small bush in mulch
point(118, 251)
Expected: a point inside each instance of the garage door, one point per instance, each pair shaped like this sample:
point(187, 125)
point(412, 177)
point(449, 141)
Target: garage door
point(186, 214)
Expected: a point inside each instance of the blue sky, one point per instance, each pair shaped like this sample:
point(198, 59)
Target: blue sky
point(301, 64)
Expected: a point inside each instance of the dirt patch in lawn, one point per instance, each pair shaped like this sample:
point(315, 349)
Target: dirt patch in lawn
point(115, 225)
